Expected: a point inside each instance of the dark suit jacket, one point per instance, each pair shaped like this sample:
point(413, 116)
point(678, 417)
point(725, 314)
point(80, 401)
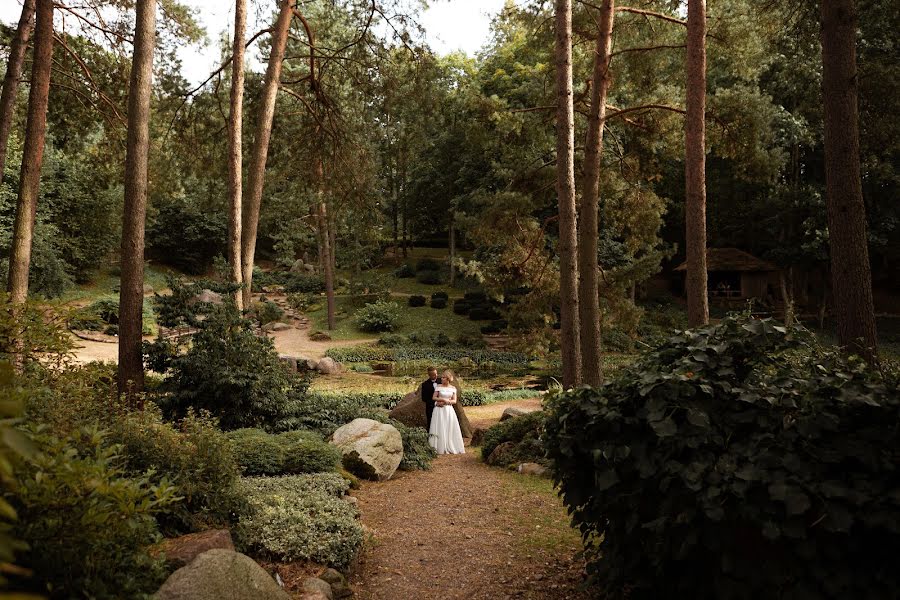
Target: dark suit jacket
point(427, 392)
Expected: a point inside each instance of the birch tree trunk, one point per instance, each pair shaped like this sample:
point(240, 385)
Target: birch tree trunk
point(851, 277)
point(235, 150)
point(12, 78)
point(32, 155)
point(588, 269)
point(257, 171)
point(131, 290)
point(565, 187)
point(695, 165)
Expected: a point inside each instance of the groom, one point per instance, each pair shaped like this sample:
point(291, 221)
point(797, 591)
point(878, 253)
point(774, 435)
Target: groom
point(428, 387)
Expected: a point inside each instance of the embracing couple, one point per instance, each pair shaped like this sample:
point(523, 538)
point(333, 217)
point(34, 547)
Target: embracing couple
point(439, 397)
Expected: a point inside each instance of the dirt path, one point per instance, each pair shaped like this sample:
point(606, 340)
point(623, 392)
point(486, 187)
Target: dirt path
point(466, 530)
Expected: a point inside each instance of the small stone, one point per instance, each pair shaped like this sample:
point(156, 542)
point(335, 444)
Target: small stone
point(533, 469)
point(516, 411)
point(319, 336)
point(328, 366)
point(279, 326)
point(314, 585)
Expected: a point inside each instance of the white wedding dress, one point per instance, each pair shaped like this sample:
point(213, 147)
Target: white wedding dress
point(445, 436)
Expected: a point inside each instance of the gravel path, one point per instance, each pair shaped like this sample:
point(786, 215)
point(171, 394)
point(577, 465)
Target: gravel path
point(465, 530)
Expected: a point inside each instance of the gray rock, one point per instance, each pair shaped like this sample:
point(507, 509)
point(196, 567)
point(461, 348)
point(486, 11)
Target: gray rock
point(328, 366)
point(333, 576)
point(369, 449)
point(515, 411)
point(410, 411)
point(290, 363)
point(501, 455)
point(221, 575)
point(278, 326)
point(319, 336)
point(209, 297)
point(182, 550)
point(299, 266)
point(533, 469)
point(313, 585)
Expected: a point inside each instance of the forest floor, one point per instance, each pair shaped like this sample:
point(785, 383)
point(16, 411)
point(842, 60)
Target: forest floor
point(466, 530)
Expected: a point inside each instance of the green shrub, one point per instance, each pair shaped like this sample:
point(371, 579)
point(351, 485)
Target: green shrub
point(257, 452)
point(461, 307)
point(438, 303)
point(103, 315)
point(267, 312)
point(404, 271)
point(299, 517)
point(310, 456)
point(465, 340)
point(428, 264)
point(227, 370)
point(616, 340)
point(735, 461)
point(429, 277)
point(440, 294)
point(303, 283)
point(87, 524)
point(416, 301)
point(303, 301)
point(369, 288)
point(417, 452)
point(523, 431)
point(440, 340)
point(193, 455)
point(474, 298)
point(324, 412)
point(186, 237)
point(483, 314)
point(391, 340)
point(377, 317)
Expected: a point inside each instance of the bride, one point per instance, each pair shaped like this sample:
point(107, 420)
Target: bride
point(445, 436)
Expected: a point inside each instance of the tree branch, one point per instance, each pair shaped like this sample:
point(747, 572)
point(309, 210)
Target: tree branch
point(625, 111)
point(647, 48)
point(650, 13)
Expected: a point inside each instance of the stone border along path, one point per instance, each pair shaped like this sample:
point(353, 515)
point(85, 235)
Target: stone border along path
point(466, 530)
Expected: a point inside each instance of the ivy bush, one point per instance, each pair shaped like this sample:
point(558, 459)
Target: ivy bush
point(377, 317)
point(524, 432)
point(299, 517)
point(735, 461)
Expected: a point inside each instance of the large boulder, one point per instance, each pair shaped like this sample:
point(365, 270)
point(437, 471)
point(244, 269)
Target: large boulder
point(410, 411)
point(516, 411)
point(328, 366)
point(182, 550)
point(221, 575)
point(369, 449)
point(502, 455)
point(208, 296)
point(314, 585)
point(277, 326)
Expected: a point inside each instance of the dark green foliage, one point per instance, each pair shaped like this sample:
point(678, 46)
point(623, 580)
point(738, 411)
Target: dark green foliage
point(379, 316)
point(424, 352)
point(392, 340)
point(461, 307)
point(523, 431)
point(267, 311)
point(88, 524)
point(228, 370)
point(417, 452)
point(193, 455)
point(186, 237)
point(440, 294)
point(440, 339)
point(290, 452)
point(404, 271)
point(428, 264)
point(103, 315)
point(735, 461)
point(438, 303)
point(497, 326)
point(469, 341)
point(616, 340)
point(475, 297)
point(293, 283)
point(42, 334)
point(429, 277)
point(483, 313)
point(417, 301)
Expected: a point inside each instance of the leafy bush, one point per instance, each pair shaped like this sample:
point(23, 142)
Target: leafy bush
point(267, 312)
point(428, 264)
point(257, 452)
point(303, 301)
point(415, 301)
point(717, 467)
point(461, 307)
point(193, 455)
point(440, 294)
point(303, 283)
point(324, 412)
point(377, 317)
point(41, 333)
point(227, 370)
point(87, 524)
point(392, 340)
point(523, 431)
point(616, 340)
point(186, 237)
point(103, 315)
point(290, 452)
point(417, 452)
point(441, 340)
point(429, 277)
point(497, 326)
point(368, 288)
point(300, 517)
point(475, 297)
point(404, 271)
point(465, 340)
point(438, 303)
point(310, 455)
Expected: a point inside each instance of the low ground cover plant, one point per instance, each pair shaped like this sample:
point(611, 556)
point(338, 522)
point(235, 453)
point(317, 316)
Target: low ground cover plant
point(299, 517)
point(288, 453)
point(739, 460)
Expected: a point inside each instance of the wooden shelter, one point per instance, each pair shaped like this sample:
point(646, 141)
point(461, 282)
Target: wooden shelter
point(737, 275)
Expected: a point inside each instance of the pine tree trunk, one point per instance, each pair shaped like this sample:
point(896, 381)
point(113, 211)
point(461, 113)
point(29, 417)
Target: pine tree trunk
point(565, 183)
point(452, 249)
point(588, 269)
point(235, 150)
point(131, 290)
point(850, 270)
point(325, 249)
point(32, 155)
point(257, 171)
point(13, 75)
point(695, 166)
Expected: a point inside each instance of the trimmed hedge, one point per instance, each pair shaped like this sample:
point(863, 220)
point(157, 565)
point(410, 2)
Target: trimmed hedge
point(482, 313)
point(446, 354)
point(440, 294)
point(461, 307)
point(429, 277)
point(439, 303)
point(416, 301)
point(428, 264)
point(290, 452)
